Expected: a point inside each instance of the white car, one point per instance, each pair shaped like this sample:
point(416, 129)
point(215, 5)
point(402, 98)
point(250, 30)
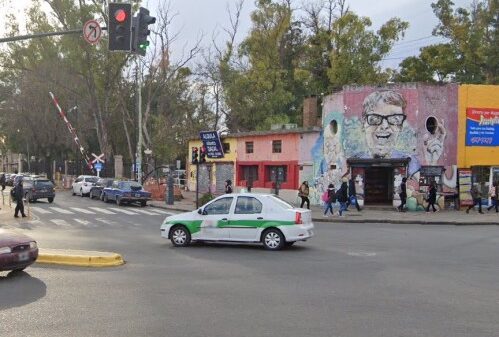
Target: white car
point(83, 184)
point(243, 217)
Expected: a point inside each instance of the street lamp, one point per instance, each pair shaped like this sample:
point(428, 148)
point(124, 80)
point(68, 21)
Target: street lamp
point(148, 153)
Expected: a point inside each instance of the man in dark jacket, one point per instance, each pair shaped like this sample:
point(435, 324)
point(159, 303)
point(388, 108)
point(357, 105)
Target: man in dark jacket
point(476, 195)
point(2, 181)
point(18, 193)
point(342, 197)
point(403, 194)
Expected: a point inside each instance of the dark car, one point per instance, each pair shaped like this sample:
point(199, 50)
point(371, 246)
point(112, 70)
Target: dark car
point(96, 190)
point(38, 188)
point(17, 251)
point(126, 192)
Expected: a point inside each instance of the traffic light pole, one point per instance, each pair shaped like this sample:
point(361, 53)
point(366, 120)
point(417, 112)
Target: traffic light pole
point(197, 184)
point(138, 163)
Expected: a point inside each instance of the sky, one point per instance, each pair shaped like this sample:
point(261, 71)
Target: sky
point(206, 17)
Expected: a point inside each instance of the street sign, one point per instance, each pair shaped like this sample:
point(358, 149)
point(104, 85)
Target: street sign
point(98, 158)
point(92, 31)
point(98, 166)
point(212, 143)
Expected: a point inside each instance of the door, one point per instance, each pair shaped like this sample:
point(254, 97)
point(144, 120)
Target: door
point(224, 172)
point(378, 186)
point(216, 220)
point(246, 220)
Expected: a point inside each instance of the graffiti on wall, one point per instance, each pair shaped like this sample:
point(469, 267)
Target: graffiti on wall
point(389, 123)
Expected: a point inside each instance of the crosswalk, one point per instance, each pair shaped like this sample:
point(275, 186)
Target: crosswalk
point(97, 210)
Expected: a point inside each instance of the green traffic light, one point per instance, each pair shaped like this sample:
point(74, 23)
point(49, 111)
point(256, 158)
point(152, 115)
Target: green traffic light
point(144, 45)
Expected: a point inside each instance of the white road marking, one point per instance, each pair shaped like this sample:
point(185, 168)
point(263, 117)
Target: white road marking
point(361, 253)
point(161, 212)
point(40, 210)
point(82, 210)
point(107, 222)
point(60, 222)
point(102, 210)
point(143, 211)
point(83, 222)
point(61, 210)
point(123, 211)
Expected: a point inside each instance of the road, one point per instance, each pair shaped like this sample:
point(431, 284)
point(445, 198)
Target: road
point(350, 280)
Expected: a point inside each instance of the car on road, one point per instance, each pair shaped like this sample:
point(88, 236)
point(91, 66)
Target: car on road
point(17, 251)
point(126, 192)
point(243, 217)
point(83, 184)
point(96, 189)
point(38, 188)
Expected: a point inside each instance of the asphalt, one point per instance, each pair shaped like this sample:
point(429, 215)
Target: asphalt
point(371, 214)
point(68, 257)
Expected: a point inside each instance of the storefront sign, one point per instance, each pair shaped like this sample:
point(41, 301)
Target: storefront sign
point(465, 187)
point(482, 127)
point(212, 143)
point(431, 171)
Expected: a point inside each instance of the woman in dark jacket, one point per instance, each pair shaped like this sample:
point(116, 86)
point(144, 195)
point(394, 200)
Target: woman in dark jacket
point(343, 197)
point(432, 197)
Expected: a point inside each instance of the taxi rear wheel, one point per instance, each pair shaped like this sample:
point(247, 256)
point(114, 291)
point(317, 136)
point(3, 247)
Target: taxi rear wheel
point(180, 236)
point(273, 239)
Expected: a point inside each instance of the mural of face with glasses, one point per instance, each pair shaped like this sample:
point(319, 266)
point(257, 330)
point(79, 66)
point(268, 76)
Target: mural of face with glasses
point(383, 115)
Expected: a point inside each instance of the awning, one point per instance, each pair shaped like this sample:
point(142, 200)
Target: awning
point(378, 162)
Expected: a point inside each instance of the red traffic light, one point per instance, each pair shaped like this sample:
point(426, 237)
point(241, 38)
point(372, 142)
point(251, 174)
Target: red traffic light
point(120, 15)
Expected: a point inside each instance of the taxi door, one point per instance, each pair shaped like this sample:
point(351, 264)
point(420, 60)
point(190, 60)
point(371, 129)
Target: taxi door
point(247, 219)
point(215, 218)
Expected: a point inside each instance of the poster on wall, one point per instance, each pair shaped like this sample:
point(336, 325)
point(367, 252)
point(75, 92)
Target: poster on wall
point(464, 181)
point(482, 127)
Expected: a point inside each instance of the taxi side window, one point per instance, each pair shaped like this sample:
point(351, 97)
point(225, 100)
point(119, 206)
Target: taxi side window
point(115, 184)
point(221, 206)
point(248, 205)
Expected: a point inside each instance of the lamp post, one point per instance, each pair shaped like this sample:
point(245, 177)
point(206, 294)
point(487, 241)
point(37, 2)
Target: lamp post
point(148, 153)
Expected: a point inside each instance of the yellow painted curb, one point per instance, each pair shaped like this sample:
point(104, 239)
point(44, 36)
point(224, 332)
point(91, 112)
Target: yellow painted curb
point(79, 258)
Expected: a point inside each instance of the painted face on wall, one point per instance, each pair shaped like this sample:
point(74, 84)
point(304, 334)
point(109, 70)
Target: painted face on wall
point(384, 117)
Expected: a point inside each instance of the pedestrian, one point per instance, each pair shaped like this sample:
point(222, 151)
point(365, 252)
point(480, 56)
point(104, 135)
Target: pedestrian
point(494, 196)
point(228, 186)
point(18, 193)
point(432, 197)
point(303, 193)
point(342, 197)
point(403, 195)
point(476, 195)
point(2, 181)
point(352, 195)
point(330, 198)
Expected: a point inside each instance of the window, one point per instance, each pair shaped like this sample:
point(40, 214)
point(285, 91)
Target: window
point(220, 206)
point(226, 147)
point(276, 146)
point(276, 173)
point(248, 205)
point(249, 147)
point(250, 172)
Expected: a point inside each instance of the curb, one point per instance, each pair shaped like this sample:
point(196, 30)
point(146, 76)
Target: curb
point(79, 258)
point(392, 221)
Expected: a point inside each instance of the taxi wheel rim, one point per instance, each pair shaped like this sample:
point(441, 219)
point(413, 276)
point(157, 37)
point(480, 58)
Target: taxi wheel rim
point(272, 240)
point(179, 236)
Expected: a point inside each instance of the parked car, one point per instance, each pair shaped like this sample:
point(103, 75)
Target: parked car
point(126, 192)
point(96, 190)
point(37, 188)
point(17, 251)
point(9, 179)
point(245, 217)
point(83, 184)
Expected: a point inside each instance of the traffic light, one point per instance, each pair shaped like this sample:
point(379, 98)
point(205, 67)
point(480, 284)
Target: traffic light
point(202, 155)
point(194, 155)
point(120, 27)
point(141, 31)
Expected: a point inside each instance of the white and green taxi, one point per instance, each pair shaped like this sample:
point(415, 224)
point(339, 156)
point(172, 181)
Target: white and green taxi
point(243, 217)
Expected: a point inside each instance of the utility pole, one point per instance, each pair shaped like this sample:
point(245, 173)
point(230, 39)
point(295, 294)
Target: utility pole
point(138, 163)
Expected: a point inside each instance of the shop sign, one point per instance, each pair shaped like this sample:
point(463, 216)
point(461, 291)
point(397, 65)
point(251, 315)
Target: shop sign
point(212, 143)
point(464, 177)
point(482, 127)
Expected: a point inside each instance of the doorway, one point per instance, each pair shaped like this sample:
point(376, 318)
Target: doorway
point(378, 188)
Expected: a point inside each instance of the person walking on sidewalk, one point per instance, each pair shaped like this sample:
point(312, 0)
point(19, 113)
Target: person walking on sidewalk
point(303, 193)
point(352, 195)
point(2, 181)
point(342, 197)
point(476, 195)
point(494, 196)
point(18, 193)
point(403, 195)
point(432, 197)
point(330, 195)
point(228, 186)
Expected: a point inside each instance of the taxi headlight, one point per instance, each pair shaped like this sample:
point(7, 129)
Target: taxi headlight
point(33, 245)
point(5, 250)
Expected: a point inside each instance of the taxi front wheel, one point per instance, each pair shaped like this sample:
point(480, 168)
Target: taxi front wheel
point(273, 239)
point(180, 236)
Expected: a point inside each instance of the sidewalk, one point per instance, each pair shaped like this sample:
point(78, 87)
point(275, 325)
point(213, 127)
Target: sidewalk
point(370, 215)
